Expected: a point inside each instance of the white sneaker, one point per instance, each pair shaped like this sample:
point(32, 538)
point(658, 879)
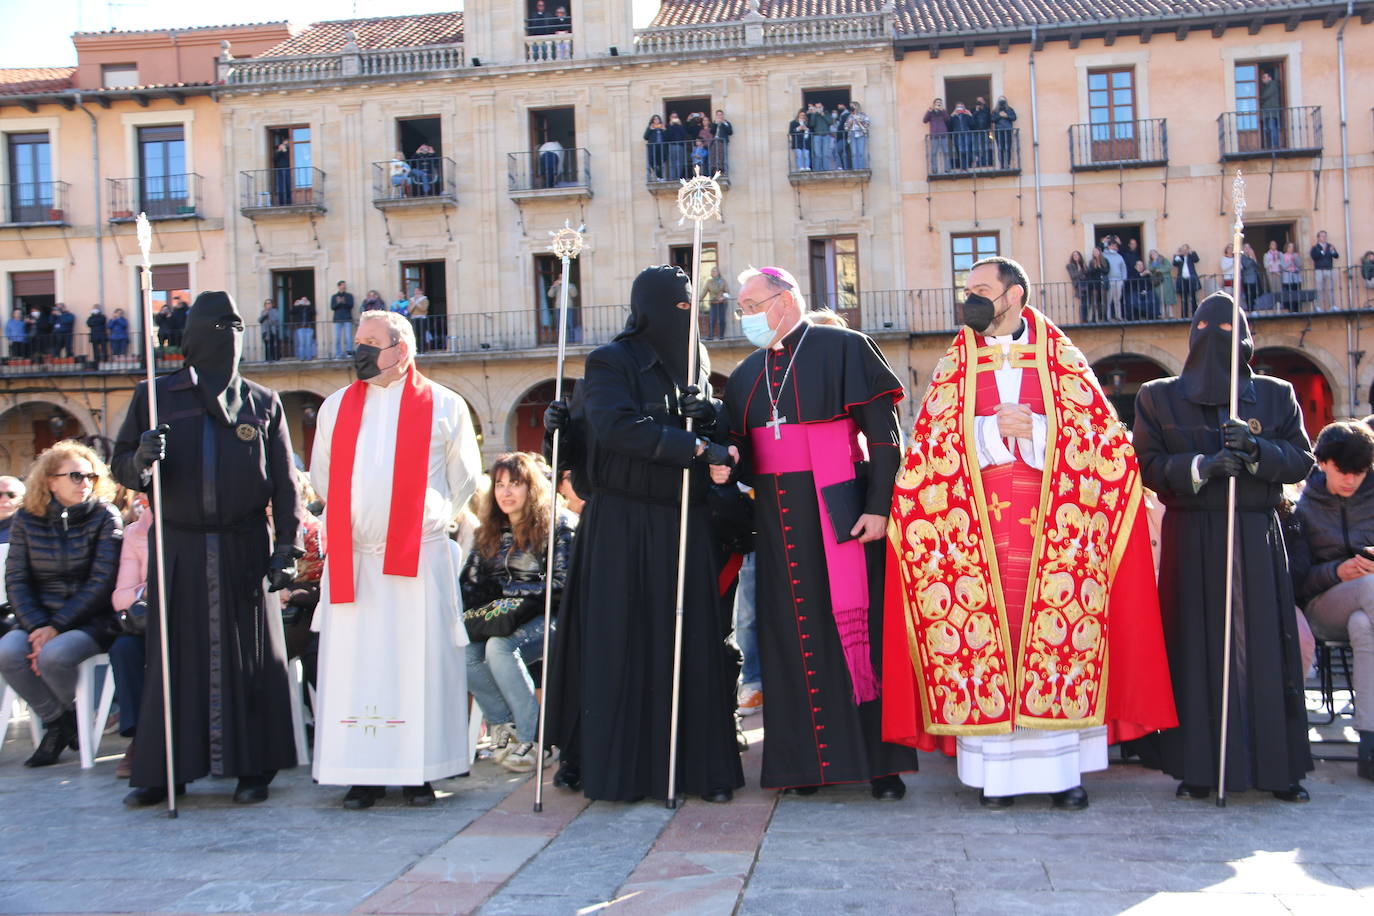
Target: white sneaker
point(520, 758)
point(502, 740)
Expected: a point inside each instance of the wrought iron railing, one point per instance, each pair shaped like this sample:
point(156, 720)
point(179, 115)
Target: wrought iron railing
point(960, 154)
point(667, 163)
point(837, 151)
point(34, 203)
point(1118, 144)
point(411, 179)
point(160, 196)
point(300, 187)
point(1270, 132)
point(566, 169)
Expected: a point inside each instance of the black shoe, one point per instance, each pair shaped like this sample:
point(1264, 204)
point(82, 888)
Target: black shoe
point(996, 802)
point(888, 788)
point(803, 790)
point(250, 792)
point(1364, 767)
point(58, 735)
point(1075, 799)
point(360, 797)
point(718, 796)
point(418, 796)
point(145, 796)
point(1294, 793)
point(1197, 793)
point(569, 776)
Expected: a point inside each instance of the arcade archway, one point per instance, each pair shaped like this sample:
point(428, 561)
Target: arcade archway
point(1311, 385)
point(29, 428)
point(525, 429)
point(1121, 377)
point(302, 409)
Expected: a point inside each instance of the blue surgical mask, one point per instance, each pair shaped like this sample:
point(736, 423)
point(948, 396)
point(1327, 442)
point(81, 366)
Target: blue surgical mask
point(756, 328)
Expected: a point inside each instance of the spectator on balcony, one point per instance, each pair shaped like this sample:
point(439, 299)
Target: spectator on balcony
point(1367, 269)
point(373, 302)
point(677, 139)
point(341, 307)
point(1116, 280)
point(98, 326)
point(303, 319)
point(562, 25)
point(799, 140)
point(281, 173)
point(1003, 122)
point(550, 162)
point(839, 130)
point(717, 296)
point(424, 171)
point(720, 150)
point(269, 326)
point(419, 318)
point(402, 305)
point(822, 125)
point(1186, 279)
point(655, 135)
point(701, 158)
point(1097, 286)
point(31, 324)
point(961, 136)
point(937, 121)
point(65, 329)
point(1271, 110)
point(1144, 299)
point(398, 170)
point(1273, 267)
point(1077, 270)
point(1292, 278)
point(705, 135)
point(177, 323)
point(1249, 275)
point(859, 126)
point(982, 125)
point(1324, 256)
point(1228, 268)
point(17, 335)
point(539, 22)
point(554, 291)
point(1162, 278)
point(163, 320)
point(119, 333)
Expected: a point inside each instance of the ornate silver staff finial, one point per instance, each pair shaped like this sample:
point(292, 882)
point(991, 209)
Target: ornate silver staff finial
point(699, 198)
point(1238, 200)
point(145, 239)
point(567, 242)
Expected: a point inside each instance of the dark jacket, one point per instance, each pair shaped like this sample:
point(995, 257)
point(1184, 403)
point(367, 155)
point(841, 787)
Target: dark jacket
point(66, 322)
point(119, 328)
point(798, 134)
point(982, 118)
point(61, 569)
point(303, 315)
point(1332, 530)
point(98, 326)
point(1004, 117)
point(341, 304)
point(655, 134)
point(938, 120)
point(961, 120)
point(1179, 279)
point(512, 573)
point(1324, 256)
point(724, 130)
point(1270, 97)
point(676, 132)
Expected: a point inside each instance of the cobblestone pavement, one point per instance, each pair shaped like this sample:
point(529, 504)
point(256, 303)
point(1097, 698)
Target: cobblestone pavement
point(67, 845)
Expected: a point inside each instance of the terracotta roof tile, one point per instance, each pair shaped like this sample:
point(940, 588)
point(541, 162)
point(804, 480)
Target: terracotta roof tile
point(373, 34)
point(699, 12)
point(35, 79)
point(192, 28)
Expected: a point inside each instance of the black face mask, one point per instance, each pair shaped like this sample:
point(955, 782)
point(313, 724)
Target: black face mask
point(213, 344)
point(979, 311)
point(1206, 375)
point(656, 319)
point(365, 360)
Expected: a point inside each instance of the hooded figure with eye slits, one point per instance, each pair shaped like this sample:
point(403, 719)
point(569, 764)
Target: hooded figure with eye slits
point(224, 453)
point(1188, 447)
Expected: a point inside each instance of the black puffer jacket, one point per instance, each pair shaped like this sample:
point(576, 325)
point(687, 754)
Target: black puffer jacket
point(512, 573)
point(62, 566)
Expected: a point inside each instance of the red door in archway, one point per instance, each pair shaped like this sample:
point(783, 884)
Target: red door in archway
point(1313, 390)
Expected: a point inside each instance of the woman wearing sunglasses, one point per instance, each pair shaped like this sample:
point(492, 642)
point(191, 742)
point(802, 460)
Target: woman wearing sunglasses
point(64, 552)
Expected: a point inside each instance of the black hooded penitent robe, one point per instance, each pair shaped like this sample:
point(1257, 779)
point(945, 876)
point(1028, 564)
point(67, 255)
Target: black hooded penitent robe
point(231, 709)
point(1178, 419)
point(815, 731)
point(610, 693)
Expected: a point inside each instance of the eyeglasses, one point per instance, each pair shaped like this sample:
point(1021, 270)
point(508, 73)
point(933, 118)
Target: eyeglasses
point(6, 494)
point(77, 476)
point(758, 306)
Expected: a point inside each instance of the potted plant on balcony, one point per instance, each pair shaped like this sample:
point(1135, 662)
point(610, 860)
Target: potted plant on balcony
point(55, 215)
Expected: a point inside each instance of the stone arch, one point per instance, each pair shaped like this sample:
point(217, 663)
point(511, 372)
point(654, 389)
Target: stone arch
point(302, 407)
point(1122, 374)
point(525, 419)
point(1171, 363)
point(1311, 383)
point(24, 433)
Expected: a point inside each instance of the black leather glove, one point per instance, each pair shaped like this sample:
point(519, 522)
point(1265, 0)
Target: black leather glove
point(715, 453)
point(152, 446)
point(701, 411)
point(556, 416)
point(1224, 463)
point(282, 570)
point(1236, 436)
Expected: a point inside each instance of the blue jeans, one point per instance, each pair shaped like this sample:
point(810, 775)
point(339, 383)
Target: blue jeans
point(499, 679)
point(53, 692)
point(746, 626)
point(128, 656)
point(858, 148)
point(305, 343)
point(343, 338)
point(802, 159)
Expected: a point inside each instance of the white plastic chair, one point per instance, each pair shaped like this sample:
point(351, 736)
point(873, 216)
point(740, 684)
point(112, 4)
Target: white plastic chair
point(298, 710)
point(11, 707)
point(90, 721)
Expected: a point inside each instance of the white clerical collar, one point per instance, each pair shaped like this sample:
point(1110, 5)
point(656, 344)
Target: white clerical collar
point(1015, 337)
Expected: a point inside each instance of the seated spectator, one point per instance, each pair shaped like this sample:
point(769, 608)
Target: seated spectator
point(302, 596)
point(64, 550)
point(128, 654)
point(1334, 560)
point(503, 586)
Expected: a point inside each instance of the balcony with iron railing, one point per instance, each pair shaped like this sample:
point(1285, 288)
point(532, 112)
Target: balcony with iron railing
point(549, 173)
point(1120, 144)
point(278, 192)
point(841, 156)
point(34, 203)
point(966, 153)
point(667, 164)
point(162, 197)
point(418, 183)
point(1270, 132)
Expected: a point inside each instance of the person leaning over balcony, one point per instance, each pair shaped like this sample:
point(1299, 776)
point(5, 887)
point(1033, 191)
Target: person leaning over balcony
point(303, 319)
point(1003, 122)
point(720, 150)
point(98, 326)
point(398, 170)
point(799, 140)
point(1186, 280)
point(269, 326)
point(819, 123)
point(1162, 277)
point(859, 126)
point(1273, 267)
point(937, 121)
point(1324, 256)
point(17, 335)
point(654, 138)
point(1097, 286)
point(119, 333)
point(551, 162)
point(161, 320)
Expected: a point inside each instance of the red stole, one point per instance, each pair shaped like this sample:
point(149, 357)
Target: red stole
point(409, 482)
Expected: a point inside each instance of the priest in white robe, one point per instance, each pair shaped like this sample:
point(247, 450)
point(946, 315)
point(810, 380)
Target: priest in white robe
point(395, 460)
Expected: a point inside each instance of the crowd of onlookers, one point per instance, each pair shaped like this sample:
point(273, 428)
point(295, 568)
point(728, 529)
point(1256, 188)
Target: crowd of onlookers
point(964, 139)
point(681, 148)
point(1118, 282)
point(544, 24)
point(421, 174)
point(294, 332)
point(823, 139)
point(51, 332)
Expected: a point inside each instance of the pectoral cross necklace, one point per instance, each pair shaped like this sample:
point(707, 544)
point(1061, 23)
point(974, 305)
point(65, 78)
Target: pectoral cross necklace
point(777, 422)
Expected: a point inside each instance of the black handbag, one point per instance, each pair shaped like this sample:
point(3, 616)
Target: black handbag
point(133, 620)
point(495, 618)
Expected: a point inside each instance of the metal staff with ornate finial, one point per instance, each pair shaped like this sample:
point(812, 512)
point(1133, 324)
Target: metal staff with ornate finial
point(567, 244)
point(697, 200)
point(1238, 233)
point(145, 244)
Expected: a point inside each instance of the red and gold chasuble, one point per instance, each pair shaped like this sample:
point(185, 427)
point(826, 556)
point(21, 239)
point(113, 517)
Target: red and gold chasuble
point(1009, 583)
